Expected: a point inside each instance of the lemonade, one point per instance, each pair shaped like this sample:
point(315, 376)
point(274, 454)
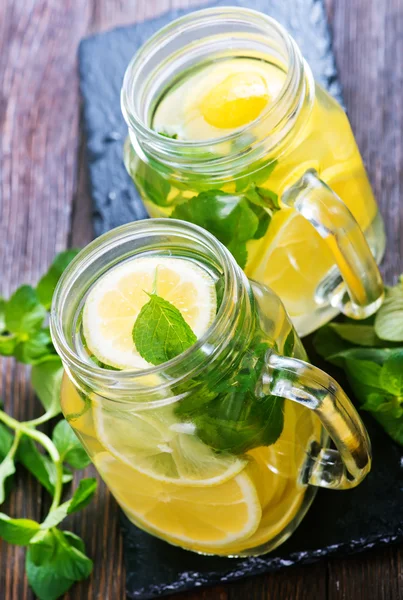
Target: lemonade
point(188, 387)
point(188, 461)
point(224, 108)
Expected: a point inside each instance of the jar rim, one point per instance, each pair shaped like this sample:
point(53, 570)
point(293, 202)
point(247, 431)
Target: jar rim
point(147, 227)
point(277, 111)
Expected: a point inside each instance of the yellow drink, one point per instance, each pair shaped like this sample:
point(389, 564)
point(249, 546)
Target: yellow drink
point(291, 257)
point(272, 476)
point(189, 389)
point(239, 129)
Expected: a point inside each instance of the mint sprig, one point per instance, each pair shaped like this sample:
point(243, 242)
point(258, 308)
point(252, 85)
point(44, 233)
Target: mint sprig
point(160, 332)
point(228, 414)
point(371, 355)
point(55, 559)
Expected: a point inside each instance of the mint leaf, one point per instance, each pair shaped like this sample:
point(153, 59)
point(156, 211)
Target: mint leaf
point(8, 343)
point(389, 318)
point(7, 468)
point(357, 334)
point(17, 531)
point(391, 375)
point(329, 345)
point(69, 446)
point(289, 343)
point(172, 136)
point(81, 497)
point(41, 467)
point(24, 314)
point(38, 345)
point(152, 184)
point(47, 284)
point(54, 562)
point(227, 216)
point(46, 379)
point(264, 221)
point(160, 332)
point(6, 441)
point(254, 175)
point(367, 372)
point(228, 415)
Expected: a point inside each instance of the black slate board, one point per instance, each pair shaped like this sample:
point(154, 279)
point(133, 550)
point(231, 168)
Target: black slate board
point(338, 523)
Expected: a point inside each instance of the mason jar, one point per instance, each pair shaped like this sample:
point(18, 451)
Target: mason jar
point(221, 449)
point(278, 177)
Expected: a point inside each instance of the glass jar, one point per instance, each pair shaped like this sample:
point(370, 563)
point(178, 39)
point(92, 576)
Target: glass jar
point(287, 193)
point(221, 449)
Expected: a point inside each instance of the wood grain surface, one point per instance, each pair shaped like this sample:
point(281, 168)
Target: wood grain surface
point(44, 207)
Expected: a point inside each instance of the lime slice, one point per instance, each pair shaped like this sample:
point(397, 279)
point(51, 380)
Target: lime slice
point(202, 519)
point(154, 443)
point(115, 301)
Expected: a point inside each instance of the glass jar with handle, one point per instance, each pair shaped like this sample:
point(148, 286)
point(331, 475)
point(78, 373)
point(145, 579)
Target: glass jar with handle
point(220, 449)
point(228, 130)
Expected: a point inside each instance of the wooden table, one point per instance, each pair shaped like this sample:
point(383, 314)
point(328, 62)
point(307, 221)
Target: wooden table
point(44, 207)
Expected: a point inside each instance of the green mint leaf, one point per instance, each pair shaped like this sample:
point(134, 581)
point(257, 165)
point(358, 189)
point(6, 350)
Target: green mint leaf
point(81, 497)
point(160, 332)
point(24, 313)
point(368, 373)
point(239, 421)
point(17, 531)
point(389, 414)
point(288, 349)
point(357, 334)
point(38, 346)
point(172, 136)
point(391, 375)
point(67, 475)
point(329, 345)
point(7, 469)
point(389, 318)
point(374, 402)
point(46, 379)
point(239, 252)
point(254, 175)
point(8, 343)
point(264, 221)
point(6, 441)
point(376, 355)
point(153, 185)
point(54, 562)
point(2, 315)
point(227, 216)
point(69, 446)
point(38, 464)
point(47, 284)
point(229, 416)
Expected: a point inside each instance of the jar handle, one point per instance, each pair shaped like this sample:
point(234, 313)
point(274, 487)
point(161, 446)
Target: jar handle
point(332, 219)
point(301, 382)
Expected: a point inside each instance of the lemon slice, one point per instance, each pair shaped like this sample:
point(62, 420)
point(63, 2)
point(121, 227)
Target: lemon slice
point(203, 519)
point(156, 444)
point(115, 301)
point(236, 101)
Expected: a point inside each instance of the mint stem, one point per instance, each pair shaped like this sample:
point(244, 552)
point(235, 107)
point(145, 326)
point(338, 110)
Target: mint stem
point(27, 429)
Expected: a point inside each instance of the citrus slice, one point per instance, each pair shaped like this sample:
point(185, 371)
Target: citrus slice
point(203, 519)
point(291, 259)
point(156, 444)
point(237, 100)
point(115, 301)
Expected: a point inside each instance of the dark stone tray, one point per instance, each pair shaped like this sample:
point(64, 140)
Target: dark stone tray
point(338, 523)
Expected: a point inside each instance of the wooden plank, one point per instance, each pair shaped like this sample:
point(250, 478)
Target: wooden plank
point(38, 141)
